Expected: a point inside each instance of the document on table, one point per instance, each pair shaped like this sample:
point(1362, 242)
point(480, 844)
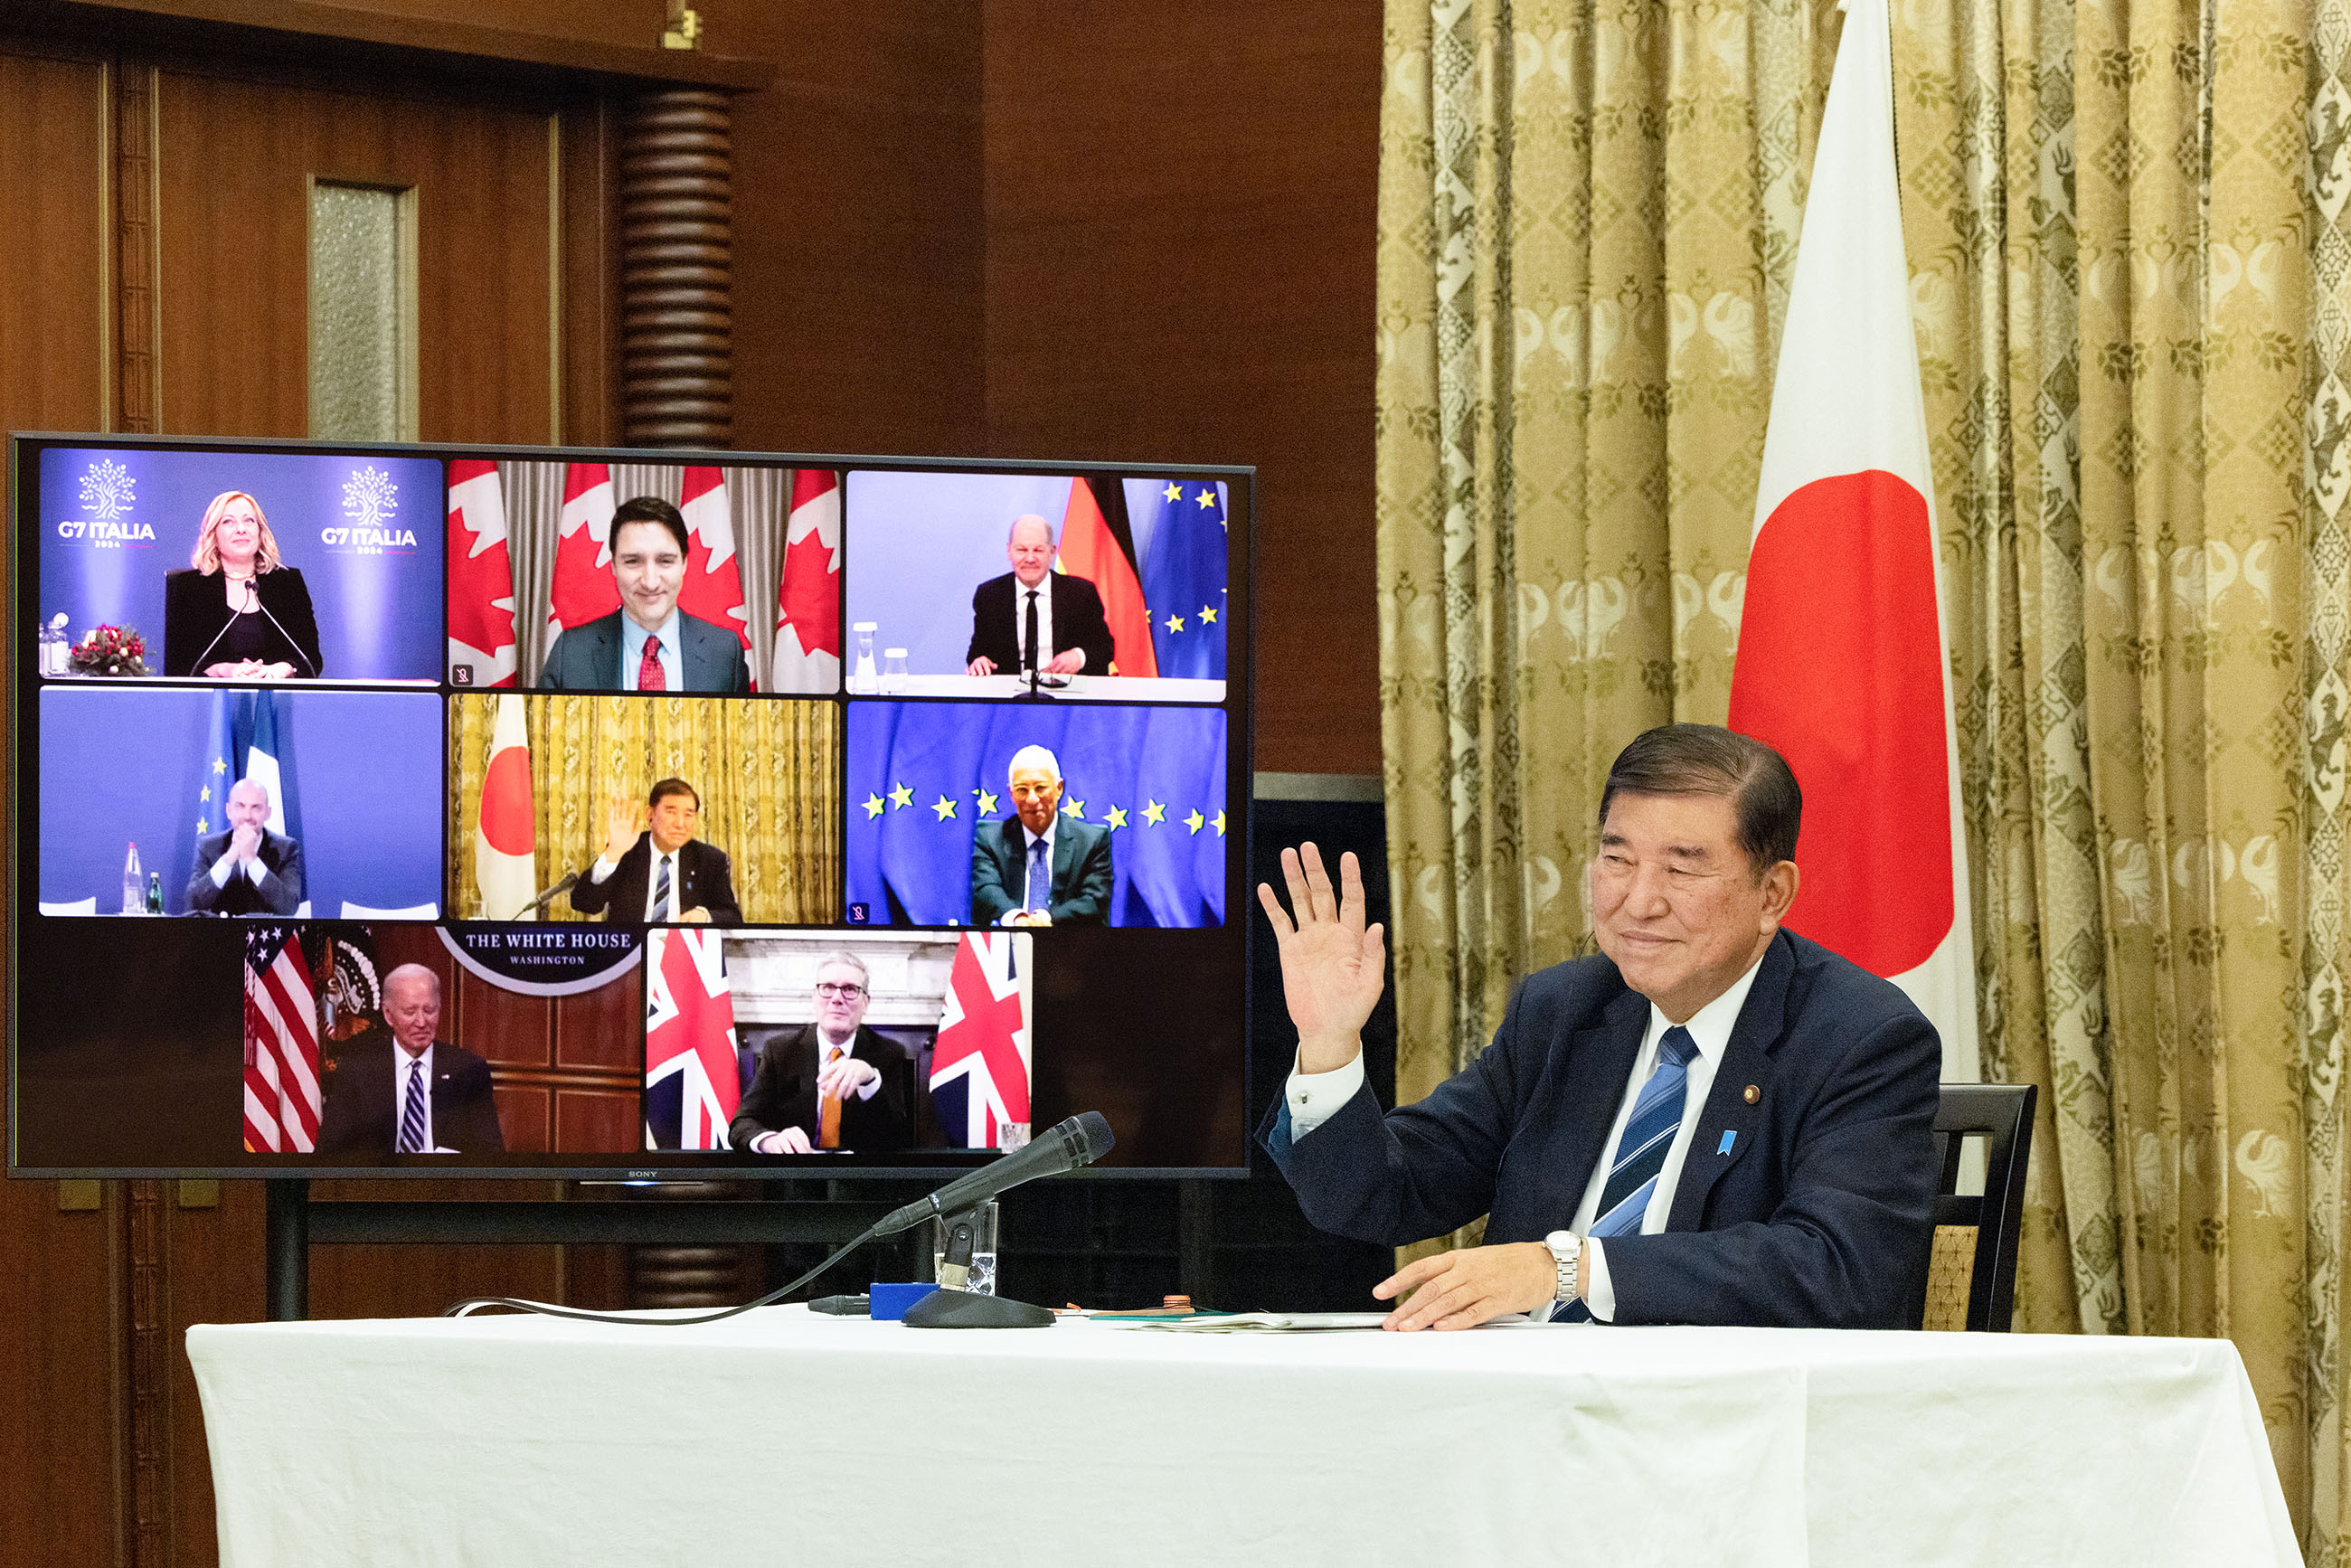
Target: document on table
point(1255, 1322)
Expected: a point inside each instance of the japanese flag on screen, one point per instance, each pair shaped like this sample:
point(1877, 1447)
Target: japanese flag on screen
point(506, 837)
point(1841, 662)
point(808, 598)
point(481, 574)
point(582, 589)
point(713, 590)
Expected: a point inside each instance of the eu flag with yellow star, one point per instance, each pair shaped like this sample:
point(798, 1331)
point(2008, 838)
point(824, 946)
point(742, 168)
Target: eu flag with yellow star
point(925, 778)
point(216, 768)
point(1184, 573)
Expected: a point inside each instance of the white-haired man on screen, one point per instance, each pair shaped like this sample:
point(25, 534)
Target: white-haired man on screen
point(1037, 867)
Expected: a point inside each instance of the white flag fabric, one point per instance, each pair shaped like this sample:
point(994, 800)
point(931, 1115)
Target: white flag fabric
point(481, 575)
point(506, 860)
point(1842, 660)
point(808, 596)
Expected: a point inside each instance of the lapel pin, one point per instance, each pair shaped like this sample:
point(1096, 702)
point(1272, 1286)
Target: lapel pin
point(1727, 1139)
point(1751, 1094)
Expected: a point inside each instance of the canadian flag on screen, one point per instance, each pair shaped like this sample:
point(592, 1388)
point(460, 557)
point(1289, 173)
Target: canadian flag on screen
point(693, 1080)
point(1841, 650)
point(581, 590)
point(506, 858)
point(808, 599)
point(481, 574)
point(979, 1065)
point(281, 1045)
point(714, 576)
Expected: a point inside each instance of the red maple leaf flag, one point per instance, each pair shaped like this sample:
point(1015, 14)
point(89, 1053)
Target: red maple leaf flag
point(481, 574)
point(1842, 662)
point(1088, 549)
point(581, 590)
point(714, 574)
point(808, 597)
point(982, 1048)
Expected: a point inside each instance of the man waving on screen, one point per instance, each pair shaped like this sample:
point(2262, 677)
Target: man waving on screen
point(1713, 1122)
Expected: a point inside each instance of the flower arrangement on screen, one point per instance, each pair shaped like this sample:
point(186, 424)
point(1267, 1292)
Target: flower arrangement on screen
point(110, 650)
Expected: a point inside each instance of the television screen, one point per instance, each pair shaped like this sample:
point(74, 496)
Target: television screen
point(429, 810)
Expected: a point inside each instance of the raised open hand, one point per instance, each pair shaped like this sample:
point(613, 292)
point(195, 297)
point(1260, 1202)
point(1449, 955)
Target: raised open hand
point(1333, 967)
point(623, 823)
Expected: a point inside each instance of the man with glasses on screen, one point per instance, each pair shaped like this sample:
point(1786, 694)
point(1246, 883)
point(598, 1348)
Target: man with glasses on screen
point(658, 874)
point(831, 1084)
point(1037, 867)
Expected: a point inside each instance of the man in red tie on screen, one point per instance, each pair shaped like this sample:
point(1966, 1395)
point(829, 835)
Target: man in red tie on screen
point(831, 1084)
point(648, 645)
point(1714, 1122)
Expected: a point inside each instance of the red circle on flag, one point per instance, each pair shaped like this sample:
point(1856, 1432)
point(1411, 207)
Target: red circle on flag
point(506, 802)
point(1840, 668)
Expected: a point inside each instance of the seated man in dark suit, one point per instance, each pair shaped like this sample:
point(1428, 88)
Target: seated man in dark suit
point(1033, 615)
point(1715, 1121)
point(661, 875)
point(245, 869)
point(648, 645)
point(831, 1084)
point(1038, 867)
point(395, 1089)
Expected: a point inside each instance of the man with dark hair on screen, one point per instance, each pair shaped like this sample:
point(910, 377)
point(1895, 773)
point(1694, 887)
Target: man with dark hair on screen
point(653, 871)
point(1715, 1121)
point(831, 1084)
point(1033, 615)
point(245, 869)
point(648, 645)
point(1037, 867)
point(396, 1089)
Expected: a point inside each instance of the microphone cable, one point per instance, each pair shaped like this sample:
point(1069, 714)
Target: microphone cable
point(548, 1309)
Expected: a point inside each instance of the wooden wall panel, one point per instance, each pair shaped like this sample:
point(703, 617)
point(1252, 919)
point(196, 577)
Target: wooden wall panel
point(237, 158)
point(601, 1028)
point(54, 369)
point(1180, 224)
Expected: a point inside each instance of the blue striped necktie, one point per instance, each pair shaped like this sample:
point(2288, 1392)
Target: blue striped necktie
point(660, 890)
point(412, 1115)
point(1641, 1152)
point(1040, 891)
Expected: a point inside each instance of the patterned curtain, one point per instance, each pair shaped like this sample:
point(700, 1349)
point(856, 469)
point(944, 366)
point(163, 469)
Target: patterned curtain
point(766, 771)
point(2132, 292)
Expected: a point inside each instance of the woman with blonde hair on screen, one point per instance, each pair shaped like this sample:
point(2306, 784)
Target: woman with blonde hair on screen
point(237, 612)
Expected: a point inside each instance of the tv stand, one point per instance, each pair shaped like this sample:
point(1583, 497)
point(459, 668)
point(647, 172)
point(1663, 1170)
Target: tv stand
point(295, 1224)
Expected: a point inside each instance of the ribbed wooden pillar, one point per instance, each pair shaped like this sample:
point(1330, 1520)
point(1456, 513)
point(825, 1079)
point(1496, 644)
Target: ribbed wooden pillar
point(676, 240)
point(677, 389)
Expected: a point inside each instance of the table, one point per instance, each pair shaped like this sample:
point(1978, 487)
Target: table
point(783, 1437)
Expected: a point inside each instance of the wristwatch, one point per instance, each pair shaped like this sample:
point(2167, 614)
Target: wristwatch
point(1565, 1245)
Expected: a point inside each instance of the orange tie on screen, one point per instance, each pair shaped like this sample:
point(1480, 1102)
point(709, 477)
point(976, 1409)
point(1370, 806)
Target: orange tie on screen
point(649, 668)
point(828, 1107)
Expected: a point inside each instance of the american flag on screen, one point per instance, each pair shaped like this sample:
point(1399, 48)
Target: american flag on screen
point(693, 1079)
point(980, 1067)
point(281, 1045)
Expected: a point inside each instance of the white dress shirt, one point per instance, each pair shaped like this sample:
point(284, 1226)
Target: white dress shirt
point(1044, 620)
point(606, 865)
point(632, 652)
point(1315, 1097)
point(226, 867)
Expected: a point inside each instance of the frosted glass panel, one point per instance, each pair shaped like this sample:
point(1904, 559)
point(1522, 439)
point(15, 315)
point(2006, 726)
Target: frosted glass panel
point(357, 338)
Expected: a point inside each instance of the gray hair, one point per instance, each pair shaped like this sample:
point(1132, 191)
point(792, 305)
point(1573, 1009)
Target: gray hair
point(1032, 754)
point(412, 969)
point(844, 956)
point(1042, 522)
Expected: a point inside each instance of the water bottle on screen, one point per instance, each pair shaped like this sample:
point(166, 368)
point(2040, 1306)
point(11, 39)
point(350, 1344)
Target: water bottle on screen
point(893, 671)
point(862, 680)
point(134, 883)
point(154, 893)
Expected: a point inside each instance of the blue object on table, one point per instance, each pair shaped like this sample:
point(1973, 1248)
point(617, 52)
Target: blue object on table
point(890, 1302)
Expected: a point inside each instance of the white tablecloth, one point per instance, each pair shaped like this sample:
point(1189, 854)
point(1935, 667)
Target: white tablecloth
point(781, 1436)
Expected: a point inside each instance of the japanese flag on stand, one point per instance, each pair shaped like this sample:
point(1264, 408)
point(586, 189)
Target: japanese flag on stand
point(693, 1081)
point(1842, 662)
point(582, 589)
point(505, 838)
point(714, 577)
point(481, 574)
point(808, 599)
point(980, 1064)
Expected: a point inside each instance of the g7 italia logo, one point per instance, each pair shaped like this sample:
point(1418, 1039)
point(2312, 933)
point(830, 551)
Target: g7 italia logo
point(107, 496)
point(369, 499)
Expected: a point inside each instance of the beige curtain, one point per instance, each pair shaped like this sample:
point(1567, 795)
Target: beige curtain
point(766, 772)
point(2132, 295)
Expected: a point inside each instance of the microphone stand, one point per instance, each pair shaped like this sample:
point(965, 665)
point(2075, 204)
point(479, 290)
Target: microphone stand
point(953, 1307)
point(544, 899)
point(253, 592)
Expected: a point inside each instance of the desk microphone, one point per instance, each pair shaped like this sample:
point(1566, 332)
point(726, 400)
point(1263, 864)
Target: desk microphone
point(544, 899)
point(252, 594)
point(1080, 1141)
point(198, 668)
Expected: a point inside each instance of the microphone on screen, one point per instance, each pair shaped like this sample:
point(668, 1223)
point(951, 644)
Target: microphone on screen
point(1080, 1141)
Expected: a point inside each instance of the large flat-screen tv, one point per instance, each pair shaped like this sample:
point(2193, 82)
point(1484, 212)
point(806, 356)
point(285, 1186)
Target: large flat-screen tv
point(420, 810)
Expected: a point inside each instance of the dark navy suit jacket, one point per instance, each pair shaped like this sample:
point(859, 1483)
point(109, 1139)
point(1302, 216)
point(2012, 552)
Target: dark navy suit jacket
point(1821, 1214)
point(588, 658)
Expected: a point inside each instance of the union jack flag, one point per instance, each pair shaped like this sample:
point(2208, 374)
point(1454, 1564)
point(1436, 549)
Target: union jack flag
point(980, 1066)
point(281, 1045)
point(693, 1079)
